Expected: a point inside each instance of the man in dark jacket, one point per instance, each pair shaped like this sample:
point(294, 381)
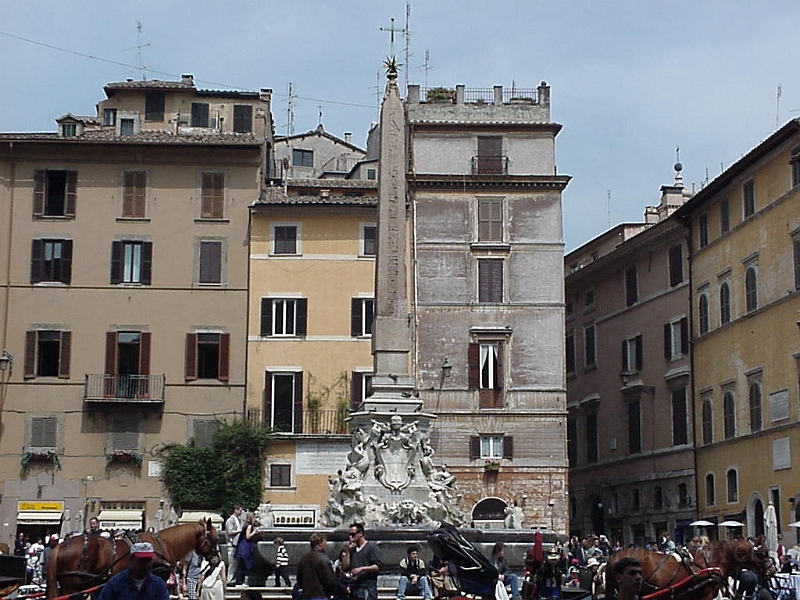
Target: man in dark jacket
point(314, 573)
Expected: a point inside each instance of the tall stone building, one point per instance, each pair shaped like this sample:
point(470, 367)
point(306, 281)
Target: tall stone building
point(486, 274)
point(124, 296)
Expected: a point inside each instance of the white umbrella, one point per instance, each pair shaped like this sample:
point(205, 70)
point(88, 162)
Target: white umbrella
point(702, 523)
point(730, 524)
point(771, 531)
point(795, 524)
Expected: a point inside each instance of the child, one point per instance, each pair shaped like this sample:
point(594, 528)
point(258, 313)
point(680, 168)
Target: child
point(281, 563)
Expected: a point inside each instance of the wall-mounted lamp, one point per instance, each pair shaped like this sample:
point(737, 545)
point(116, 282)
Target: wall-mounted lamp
point(446, 368)
point(524, 499)
point(7, 361)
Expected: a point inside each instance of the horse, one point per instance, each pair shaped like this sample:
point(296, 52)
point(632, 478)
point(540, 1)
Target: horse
point(730, 556)
point(85, 561)
point(675, 575)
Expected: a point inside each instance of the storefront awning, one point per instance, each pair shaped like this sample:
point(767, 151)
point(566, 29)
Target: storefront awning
point(193, 516)
point(120, 519)
point(39, 517)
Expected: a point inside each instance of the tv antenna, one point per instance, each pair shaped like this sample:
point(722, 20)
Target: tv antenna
point(608, 201)
point(427, 66)
point(138, 47)
point(778, 106)
point(290, 112)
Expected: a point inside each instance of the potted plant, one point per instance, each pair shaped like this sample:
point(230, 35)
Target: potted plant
point(124, 456)
point(491, 466)
point(40, 455)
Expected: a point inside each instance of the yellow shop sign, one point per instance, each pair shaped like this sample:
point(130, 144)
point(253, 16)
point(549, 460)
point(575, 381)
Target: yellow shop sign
point(50, 505)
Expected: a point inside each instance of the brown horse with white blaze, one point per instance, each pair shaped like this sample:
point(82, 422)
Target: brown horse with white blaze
point(86, 561)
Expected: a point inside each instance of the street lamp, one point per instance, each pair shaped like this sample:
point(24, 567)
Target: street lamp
point(6, 362)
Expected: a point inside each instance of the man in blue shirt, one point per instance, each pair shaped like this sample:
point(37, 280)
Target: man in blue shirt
point(136, 582)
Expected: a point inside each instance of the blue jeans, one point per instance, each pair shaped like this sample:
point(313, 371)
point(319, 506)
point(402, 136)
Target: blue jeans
point(422, 585)
point(512, 580)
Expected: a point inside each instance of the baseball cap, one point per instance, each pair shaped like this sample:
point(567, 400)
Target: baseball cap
point(143, 550)
point(592, 562)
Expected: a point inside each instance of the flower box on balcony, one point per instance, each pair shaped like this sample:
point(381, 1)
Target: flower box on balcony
point(123, 457)
point(40, 456)
point(491, 466)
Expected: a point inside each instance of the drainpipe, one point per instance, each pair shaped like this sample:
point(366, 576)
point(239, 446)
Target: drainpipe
point(7, 283)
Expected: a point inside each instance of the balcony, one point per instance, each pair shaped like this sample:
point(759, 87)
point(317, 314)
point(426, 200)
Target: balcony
point(124, 389)
point(318, 422)
point(490, 165)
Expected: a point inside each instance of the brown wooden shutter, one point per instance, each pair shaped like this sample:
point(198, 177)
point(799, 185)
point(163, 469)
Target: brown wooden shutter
point(474, 447)
point(72, 193)
point(474, 364)
point(116, 262)
point(625, 355)
point(356, 317)
point(301, 316)
point(147, 263)
point(639, 353)
point(298, 402)
point(267, 399)
point(508, 446)
point(30, 354)
point(66, 350)
point(667, 341)
point(684, 336)
point(266, 317)
point(66, 262)
point(39, 179)
point(191, 356)
point(111, 353)
point(144, 353)
point(37, 260)
point(224, 356)
point(356, 389)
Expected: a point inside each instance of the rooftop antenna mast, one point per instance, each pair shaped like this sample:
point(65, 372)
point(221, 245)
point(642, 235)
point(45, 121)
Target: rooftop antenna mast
point(608, 200)
point(290, 113)
point(138, 47)
point(392, 30)
point(778, 106)
point(427, 66)
point(407, 36)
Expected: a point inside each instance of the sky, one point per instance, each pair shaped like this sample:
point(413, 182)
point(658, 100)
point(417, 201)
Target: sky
point(631, 80)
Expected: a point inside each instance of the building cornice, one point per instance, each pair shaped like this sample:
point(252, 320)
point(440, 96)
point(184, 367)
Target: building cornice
point(554, 183)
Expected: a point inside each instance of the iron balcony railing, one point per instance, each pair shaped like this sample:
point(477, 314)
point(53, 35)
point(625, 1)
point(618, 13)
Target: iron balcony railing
point(490, 165)
point(313, 422)
point(100, 387)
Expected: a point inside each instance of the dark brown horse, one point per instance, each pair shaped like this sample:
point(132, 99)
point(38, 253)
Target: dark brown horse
point(729, 556)
point(86, 561)
point(669, 575)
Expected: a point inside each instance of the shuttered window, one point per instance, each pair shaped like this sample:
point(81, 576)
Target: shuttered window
point(124, 432)
point(362, 312)
point(134, 194)
point(51, 261)
point(213, 196)
point(47, 354)
point(207, 356)
point(283, 401)
point(210, 262)
point(199, 114)
point(54, 193)
point(490, 280)
point(131, 262)
point(44, 432)
point(242, 118)
point(490, 220)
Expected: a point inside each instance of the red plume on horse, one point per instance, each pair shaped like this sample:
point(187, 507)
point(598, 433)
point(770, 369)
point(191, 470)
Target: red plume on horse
point(86, 561)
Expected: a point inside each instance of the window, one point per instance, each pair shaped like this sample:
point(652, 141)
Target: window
point(589, 348)
point(748, 199)
point(728, 415)
point(658, 497)
point(733, 485)
point(208, 356)
point(570, 352)
point(675, 265)
point(711, 494)
point(284, 239)
point(676, 339)
point(491, 447)
point(724, 303)
point(283, 316)
point(795, 162)
point(212, 203)
point(369, 240)
point(69, 129)
point(362, 314)
point(724, 216)
point(572, 441)
point(203, 431)
point(634, 427)
point(360, 389)
point(302, 158)
point(591, 437)
point(702, 230)
point(47, 353)
point(51, 261)
point(707, 422)
point(632, 354)
point(210, 262)
point(283, 401)
point(702, 314)
point(134, 194)
point(751, 289)
point(44, 432)
point(127, 127)
point(680, 430)
point(683, 495)
point(131, 262)
point(636, 502)
point(242, 118)
point(54, 193)
point(154, 106)
point(755, 405)
point(490, 220)
point(109, 117)
point(588, 299)
point(490, 156)
point(124, 432)
point(796, 243)
point(280, 475)
point(372, 174)
point(490, 280)
point(569, 309)
point(631, 286)
point(199, 114)
point(485, 361)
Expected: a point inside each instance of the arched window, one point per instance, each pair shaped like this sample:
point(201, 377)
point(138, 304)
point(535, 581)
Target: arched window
point(728, 415)
point(702, 310)
point(751, 289)
point(755, 406)
point(711, 499)
point(724, 303)
point(733, 486)
point(636, 502)
point(708, 422)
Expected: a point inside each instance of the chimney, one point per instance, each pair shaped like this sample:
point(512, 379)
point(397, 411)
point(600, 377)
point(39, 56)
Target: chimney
point(187, 78)
point(348, 137)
